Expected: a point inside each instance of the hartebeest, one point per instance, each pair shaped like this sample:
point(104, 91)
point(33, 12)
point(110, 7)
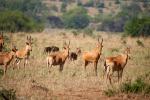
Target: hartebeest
point(1, 42)
point(93, 56)
point(58, 58)
point(24, 53)
point(6, 58)
point(116, 63)
point(50, 49)
point(74, 55)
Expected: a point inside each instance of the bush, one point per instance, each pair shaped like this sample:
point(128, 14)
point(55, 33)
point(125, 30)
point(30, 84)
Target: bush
point(100, 5)
point(79, 3)
point(32, 8)
point(63, 7)
point(88, 31)
point(55, 22)
point(54, 8)
point(75, 32)
point(136, 87)
point(14, 21)
point(140, 43)
point(90, 3)
point(109, 92)
point(138, 26)
point(113, 25)
point(7, 94)
point(117, 2)
point(76, 18)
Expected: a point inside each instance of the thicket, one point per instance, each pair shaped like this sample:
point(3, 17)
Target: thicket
point(21, 15)
point(141, 86)
point(14, 21)
point(138, 27)
point(76, 18)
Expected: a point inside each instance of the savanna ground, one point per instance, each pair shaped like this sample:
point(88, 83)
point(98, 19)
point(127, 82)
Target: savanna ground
point(35, 82)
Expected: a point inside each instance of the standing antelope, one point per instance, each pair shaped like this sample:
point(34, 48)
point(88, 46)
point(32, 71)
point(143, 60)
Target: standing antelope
point(59, 57)
point(116, 63)
point(6, 58)
point(74, 55)
point(1, 42)
point(24, 53)
point(50, 49)
point(93, 56)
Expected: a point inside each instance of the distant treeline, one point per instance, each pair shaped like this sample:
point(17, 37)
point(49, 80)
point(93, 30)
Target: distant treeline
point(21, 15)
point(133, 19)
point(33, 15)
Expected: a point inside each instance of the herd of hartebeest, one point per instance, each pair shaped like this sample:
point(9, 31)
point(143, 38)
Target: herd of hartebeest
point(57, 57)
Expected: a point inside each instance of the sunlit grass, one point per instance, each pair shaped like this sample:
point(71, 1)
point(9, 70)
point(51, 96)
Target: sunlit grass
point(73, 77)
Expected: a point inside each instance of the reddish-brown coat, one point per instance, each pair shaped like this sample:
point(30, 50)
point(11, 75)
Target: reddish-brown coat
point(58, 58)
point(93, 56)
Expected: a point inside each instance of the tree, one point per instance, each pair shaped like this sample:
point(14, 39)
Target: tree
point(32, 8)
point(138, 26)
point(63, 7)
point(14, 21)
point(76, 18)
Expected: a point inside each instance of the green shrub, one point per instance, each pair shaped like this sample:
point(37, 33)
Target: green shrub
point(109, 92)
point(14, 21)
point(100, 5)
point(90, 3)
point(79, 3)
point(115, 50)
point(88, 31)
point(75, 33)
point(30, 8)
point(140, 43)
point(54, 8)
point(63, 7)
point(76, 18)
point(138, 26)
point(7, 94)
point(117, 2)
point(136, 87)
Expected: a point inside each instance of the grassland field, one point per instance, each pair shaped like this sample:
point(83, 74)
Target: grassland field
point(35, 82)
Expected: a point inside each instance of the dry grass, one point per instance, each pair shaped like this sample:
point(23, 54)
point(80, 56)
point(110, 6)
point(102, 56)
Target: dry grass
point(36, 83)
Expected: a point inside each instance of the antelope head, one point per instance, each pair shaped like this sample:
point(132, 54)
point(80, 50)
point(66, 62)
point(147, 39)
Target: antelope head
point(29, 39)
point(99, 45)
point(66, 47)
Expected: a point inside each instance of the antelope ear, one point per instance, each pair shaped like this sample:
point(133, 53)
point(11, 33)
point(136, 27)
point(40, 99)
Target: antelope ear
point(27, 43)
point(64, 47)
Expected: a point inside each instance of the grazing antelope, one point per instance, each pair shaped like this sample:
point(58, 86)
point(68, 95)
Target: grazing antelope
point(116, 63)
point(73, 55)
point(24, 53)
point(58, 58)
point(51, 49)
point(6, 58)
point(93, 56)
point(1, 42)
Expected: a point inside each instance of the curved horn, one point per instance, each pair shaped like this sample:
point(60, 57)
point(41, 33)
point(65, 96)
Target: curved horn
point(27, 38)
point(102, 41)
point(30, 37)
point(98, 39)
point(69, 43)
